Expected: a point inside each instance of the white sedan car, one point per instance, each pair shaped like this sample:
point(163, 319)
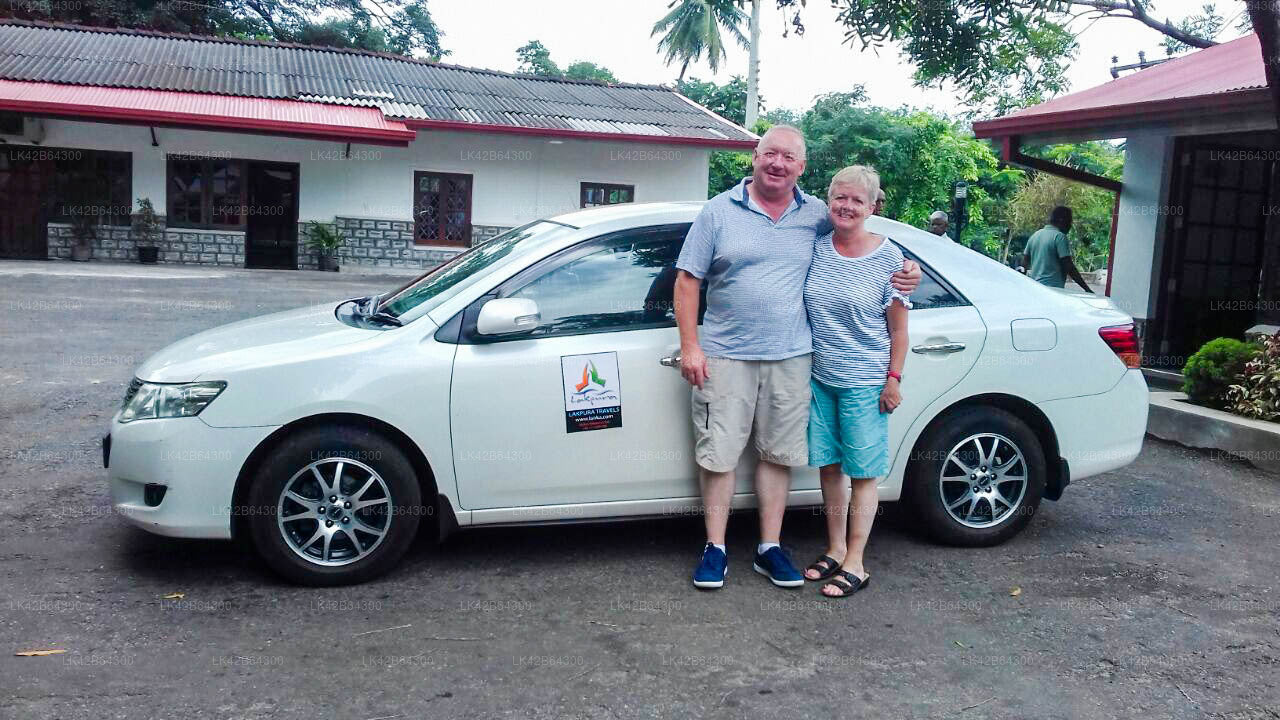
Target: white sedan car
point(534, 379)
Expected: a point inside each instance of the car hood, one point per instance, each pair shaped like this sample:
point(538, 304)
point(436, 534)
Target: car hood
point(285, 336)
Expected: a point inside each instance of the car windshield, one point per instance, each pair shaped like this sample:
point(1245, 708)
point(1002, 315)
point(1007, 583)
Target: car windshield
point(439, 284)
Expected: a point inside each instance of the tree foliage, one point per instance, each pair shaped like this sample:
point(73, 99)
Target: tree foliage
point(535, 59)
point(397, 26)
point(729, 100)
point(919, 156)
point(691, 31)
point(1001, 54)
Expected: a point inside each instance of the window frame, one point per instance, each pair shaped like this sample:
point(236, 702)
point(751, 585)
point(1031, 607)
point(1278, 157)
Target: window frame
point(607, 188)
point(206, 193)
point(467, 334)
point(96, 164)
point(439, 235)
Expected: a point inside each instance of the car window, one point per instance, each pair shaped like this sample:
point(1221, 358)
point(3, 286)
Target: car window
point(932, 292)
point(624, 282)
point(438, 285)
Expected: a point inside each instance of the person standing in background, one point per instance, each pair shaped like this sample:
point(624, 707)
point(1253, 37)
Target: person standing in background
point(1048, 254)
point(939, 222)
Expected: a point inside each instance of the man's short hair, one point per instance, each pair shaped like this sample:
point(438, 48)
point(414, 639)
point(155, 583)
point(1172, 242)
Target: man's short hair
point(864, 176)
point(939, 215)
point(1060, 214)
point(786, 128)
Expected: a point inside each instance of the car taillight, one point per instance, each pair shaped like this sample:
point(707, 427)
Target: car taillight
point(1123, 341)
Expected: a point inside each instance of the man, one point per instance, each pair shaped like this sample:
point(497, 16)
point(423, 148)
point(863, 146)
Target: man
point(1048, 255)
point(939, 222)
point(880, 198)
point(753, 245)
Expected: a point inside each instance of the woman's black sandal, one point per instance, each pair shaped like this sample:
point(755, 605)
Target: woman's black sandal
point(832, 566)
point(847, 583)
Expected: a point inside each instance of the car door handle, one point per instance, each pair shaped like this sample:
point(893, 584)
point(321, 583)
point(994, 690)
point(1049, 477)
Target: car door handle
point(670, 361)
point(939, 348)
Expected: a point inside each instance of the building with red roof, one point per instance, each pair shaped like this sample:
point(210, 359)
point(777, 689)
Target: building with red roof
point(243, 146)
point(1195, 239)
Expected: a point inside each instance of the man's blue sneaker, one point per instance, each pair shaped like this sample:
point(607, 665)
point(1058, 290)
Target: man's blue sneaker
point(775, 565)
point(710, 573)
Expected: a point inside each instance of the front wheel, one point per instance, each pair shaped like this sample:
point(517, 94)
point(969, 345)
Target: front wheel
point(334, 506)
point(977, 477)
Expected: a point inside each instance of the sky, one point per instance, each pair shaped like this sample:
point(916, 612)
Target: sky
point(793, 70)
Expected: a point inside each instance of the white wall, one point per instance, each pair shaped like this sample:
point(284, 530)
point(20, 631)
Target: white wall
point(1135, 265)
point(515, 178)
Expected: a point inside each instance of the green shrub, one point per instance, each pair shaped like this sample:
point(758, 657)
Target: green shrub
point(1257, 394)
point(1214, 368)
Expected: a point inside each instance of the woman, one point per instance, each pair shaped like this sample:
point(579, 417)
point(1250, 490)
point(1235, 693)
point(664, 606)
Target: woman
point(859, 345)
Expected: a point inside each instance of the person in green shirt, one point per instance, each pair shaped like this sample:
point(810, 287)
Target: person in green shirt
point(1048, 255)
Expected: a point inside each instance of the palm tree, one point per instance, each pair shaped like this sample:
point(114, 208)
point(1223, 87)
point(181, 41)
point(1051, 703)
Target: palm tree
point(692, 29)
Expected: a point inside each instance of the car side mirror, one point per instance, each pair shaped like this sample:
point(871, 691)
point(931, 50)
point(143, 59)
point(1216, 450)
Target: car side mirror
point(507, 316)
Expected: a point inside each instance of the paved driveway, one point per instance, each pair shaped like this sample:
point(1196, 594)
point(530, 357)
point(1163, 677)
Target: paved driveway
point(1145, 593)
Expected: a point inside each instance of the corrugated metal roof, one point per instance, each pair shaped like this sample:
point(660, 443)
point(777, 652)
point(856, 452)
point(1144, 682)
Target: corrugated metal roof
point(399, 87)
point(1216, 74)
point(219, 112)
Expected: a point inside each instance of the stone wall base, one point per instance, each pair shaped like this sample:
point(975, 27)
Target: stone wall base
point(179, 245)
point(369, 242)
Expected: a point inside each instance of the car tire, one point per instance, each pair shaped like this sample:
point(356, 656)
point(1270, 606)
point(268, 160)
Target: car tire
point(326, 534)
point(998, 498)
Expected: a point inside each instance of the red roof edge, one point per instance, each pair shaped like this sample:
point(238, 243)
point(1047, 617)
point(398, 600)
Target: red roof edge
point(1145, 112)
point(164, 108)
point(717, 143)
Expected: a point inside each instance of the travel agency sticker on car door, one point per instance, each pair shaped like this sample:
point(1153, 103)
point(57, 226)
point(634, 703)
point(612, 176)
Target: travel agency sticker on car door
point(592, 391)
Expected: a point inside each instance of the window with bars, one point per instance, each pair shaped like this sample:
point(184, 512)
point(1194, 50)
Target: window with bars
point(441, 209)
point(597, 194)
point(206, 193)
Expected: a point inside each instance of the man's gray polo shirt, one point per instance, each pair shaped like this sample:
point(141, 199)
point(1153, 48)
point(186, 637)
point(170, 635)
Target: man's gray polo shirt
point(755, 271)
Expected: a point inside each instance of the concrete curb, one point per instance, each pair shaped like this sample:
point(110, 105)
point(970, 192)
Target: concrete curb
point(1172, 418)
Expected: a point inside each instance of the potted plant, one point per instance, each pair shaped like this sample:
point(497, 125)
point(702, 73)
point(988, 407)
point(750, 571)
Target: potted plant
point(147, 231)
point(84, 230)
point(324, 241)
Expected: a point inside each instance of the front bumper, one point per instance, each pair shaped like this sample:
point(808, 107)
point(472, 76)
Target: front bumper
point(197, 463)
point(1098, 433)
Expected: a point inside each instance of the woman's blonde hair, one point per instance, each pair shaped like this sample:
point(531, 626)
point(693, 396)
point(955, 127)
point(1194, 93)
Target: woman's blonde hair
point(863, 176)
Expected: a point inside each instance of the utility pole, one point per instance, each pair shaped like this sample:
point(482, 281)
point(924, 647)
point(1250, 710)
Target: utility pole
point(753, 67)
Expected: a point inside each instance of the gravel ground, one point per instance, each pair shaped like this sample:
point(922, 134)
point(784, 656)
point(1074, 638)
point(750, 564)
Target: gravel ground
point(1150, 592)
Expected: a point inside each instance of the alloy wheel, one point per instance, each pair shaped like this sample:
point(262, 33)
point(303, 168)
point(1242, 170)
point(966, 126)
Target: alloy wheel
point(983, 480)
point(334, 511)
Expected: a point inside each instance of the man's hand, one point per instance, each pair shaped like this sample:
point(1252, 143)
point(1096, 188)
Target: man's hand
point(693, 366)
point(907, 279)
point(890, 396)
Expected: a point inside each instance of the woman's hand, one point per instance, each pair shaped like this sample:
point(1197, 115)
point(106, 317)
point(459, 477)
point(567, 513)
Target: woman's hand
point(890, 396)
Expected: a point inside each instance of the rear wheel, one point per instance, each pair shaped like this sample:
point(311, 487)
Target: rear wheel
point(334, 506)
point(977, 477)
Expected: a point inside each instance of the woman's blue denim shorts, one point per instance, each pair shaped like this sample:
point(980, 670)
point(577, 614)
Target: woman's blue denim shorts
point(847, 427)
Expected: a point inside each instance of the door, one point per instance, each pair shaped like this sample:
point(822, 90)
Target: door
point(271, 228)
point(532, 417)
point(946, 337)
point(1212, 274)
point(24, 183)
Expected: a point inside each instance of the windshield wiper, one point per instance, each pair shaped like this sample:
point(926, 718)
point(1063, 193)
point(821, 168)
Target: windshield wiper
point(384, 317)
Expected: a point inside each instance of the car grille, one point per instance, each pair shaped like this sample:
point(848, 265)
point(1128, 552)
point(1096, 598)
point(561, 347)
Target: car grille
point(134, 385)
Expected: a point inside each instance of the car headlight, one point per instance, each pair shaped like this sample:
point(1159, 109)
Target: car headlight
point(149, 401)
